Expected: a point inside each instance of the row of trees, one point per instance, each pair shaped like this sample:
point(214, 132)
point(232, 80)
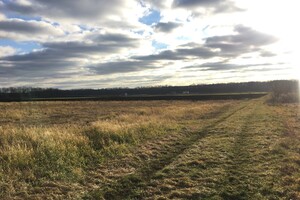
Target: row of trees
point(24, 93)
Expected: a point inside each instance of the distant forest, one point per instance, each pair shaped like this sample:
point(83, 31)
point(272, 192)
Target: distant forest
point(27, 93)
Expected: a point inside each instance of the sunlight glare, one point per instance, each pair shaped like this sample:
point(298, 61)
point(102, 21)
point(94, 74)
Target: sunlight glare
point(278, 18)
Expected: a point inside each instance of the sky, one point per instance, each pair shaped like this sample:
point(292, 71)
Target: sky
point(106, 44)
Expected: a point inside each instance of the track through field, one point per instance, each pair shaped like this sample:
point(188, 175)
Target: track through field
point(232, 157)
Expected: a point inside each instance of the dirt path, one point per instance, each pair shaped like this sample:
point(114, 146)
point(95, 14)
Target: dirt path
point(234, 161)
point(134, 183)
point(230, 158)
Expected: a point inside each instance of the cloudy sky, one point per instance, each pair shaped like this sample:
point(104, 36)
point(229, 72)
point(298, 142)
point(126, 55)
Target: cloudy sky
point(117, 43)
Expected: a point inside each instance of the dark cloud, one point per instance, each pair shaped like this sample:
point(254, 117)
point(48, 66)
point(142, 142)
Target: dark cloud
point(79, 9)
point(20, 26)
point(78, 49)
point(267, 54)
point(180, 54)
point(164, 55)
point(114, 39)
point(16, 7)
point(198, 52)
point(267, 69)
point(33, 69)
point(231, 50)
point(59, 56)
point(246, 40)
point(54, 52)
point(166, 27)
point(216, 6)
point(18, 29)
point(245, 35)
point(223, 66)
point(105, 44)
point(60, 59)
point(121, 67)
point(195, 3)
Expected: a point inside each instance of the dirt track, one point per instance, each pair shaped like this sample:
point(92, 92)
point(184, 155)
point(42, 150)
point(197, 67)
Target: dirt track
point(231, 157)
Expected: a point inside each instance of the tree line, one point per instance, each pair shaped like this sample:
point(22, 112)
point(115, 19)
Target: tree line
point(27, 93)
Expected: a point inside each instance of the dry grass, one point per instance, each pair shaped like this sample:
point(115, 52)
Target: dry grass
point(252, 152)
point(146, 150)
point(289, 146)
point(59, 141)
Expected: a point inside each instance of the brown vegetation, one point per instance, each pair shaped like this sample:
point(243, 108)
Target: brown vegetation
point(149, 150)
point(60, 141)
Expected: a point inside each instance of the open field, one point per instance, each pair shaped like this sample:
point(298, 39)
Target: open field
point(229, 149)
point(196, 97)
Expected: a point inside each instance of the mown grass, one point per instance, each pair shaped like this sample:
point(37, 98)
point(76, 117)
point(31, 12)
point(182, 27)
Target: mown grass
point(44, 142)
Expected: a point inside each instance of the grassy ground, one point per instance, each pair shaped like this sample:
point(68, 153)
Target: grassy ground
point(149, 150)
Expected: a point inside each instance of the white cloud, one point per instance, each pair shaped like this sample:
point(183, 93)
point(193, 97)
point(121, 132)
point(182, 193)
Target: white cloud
point(2, 16)
point(6, 51)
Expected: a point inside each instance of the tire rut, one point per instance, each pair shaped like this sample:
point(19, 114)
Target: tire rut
point(248, 175)
point(133, 185)
point(234, 161)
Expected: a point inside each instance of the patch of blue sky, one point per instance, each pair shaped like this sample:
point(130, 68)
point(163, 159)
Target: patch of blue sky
point(159, 45)
point(83, 27)
point(152, 17)
point(22, 47)
point(55, 23)
point(26, 18)
point(86, 28)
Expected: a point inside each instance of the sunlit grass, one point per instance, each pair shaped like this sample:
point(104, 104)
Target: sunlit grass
point(59, 141)
point(47, 148)
point(252, 154)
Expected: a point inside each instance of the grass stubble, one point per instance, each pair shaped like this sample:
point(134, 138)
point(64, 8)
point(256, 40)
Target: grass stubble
point(149, 150)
